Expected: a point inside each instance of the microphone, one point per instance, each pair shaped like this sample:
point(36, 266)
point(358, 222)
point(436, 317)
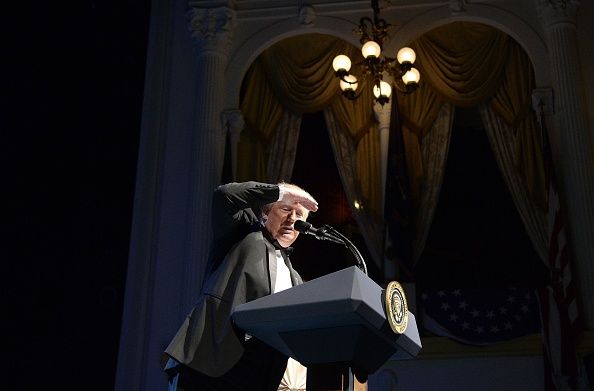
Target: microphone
point(329, 233)
point(319, 233)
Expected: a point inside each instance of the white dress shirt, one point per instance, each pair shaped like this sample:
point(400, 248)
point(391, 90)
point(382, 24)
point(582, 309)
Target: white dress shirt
point(295, 376)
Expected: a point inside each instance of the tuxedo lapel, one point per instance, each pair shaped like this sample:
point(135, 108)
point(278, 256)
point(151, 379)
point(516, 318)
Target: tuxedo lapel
point(271, 262)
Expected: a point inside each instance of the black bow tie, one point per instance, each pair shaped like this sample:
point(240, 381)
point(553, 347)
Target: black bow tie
point(284, 250)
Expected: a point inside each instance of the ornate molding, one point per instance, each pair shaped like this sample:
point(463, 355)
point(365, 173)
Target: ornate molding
point(557, 11)
point(212, 28)
point(307, 15)
point(458, 7)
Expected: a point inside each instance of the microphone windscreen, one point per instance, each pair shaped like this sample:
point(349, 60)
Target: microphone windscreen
point(302, 226)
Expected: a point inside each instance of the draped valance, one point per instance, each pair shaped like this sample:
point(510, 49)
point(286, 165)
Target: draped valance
point(461, 64)
point(295, 76)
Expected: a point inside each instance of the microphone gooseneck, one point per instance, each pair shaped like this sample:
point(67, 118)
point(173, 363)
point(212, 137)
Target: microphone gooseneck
point(326, 232)
point(319, 233)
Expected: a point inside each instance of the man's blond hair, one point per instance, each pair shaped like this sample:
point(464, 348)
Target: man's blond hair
point(266, 208)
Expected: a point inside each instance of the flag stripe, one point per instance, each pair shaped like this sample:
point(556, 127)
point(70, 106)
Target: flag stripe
point(559, 311)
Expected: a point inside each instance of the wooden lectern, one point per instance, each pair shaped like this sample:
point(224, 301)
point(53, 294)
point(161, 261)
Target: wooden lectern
point(337, 319)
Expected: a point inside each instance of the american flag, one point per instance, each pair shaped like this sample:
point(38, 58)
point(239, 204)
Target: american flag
point(558, 305)
point(480, 316)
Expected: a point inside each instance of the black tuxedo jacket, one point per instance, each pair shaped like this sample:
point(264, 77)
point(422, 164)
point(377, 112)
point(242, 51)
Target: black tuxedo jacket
point(207, 340)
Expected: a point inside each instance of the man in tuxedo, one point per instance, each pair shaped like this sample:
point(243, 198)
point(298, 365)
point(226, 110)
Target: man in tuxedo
point(253, 231)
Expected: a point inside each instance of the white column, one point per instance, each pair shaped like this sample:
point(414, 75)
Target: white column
point(575, 164)
point(212, 30)
point(233, 123)
point(180, 162)
point(382, 116)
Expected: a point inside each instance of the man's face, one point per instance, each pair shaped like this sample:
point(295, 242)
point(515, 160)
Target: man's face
point(280, 220)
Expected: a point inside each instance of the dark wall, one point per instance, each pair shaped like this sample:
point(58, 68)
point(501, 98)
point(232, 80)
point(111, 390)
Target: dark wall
point(74, 88)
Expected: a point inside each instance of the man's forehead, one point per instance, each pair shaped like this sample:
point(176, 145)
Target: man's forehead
point(292, 205)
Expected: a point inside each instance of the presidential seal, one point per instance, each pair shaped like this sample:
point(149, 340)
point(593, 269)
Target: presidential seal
point(396, 307)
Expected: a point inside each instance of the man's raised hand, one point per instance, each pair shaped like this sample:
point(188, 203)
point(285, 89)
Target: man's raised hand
point(291, 194)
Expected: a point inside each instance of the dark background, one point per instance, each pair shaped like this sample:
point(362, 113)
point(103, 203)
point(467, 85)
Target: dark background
point(75, 88)
point(477, 238)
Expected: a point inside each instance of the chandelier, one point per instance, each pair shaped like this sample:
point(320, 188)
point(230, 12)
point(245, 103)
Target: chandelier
point(373, 33)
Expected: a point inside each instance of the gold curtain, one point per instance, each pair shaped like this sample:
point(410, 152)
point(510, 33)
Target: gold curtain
point(355, 141)
point(466, 64)
point(357, 120)
point(513, 104)
point(300, 71)
point(418, 112)
point(296, 75)
point(463, 62)
point(262, 113)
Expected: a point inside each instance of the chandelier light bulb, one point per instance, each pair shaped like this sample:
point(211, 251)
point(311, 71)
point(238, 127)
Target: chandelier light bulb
point(405, 55)
point(371, 48)
point(411, 77)
point(372, 34)
point(341, 62)
point(349, 83)
point(384, 89)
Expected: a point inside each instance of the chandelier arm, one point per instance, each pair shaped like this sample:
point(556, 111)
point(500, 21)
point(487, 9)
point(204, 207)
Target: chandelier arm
point(352, 95)
point(376, 63)
point(364, 21)
point(389, 59)
point(373, 66)
point(342, 78)
point(376, 10)
point(365, 25)
point(405, 89)
point(398, 70)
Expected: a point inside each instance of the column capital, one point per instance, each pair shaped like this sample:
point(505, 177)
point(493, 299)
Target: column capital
point(212, 28)
point(552, 12)
point(382, 113)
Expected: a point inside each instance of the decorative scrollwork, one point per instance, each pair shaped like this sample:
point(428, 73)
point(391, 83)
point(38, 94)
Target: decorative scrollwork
point(212, 28)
